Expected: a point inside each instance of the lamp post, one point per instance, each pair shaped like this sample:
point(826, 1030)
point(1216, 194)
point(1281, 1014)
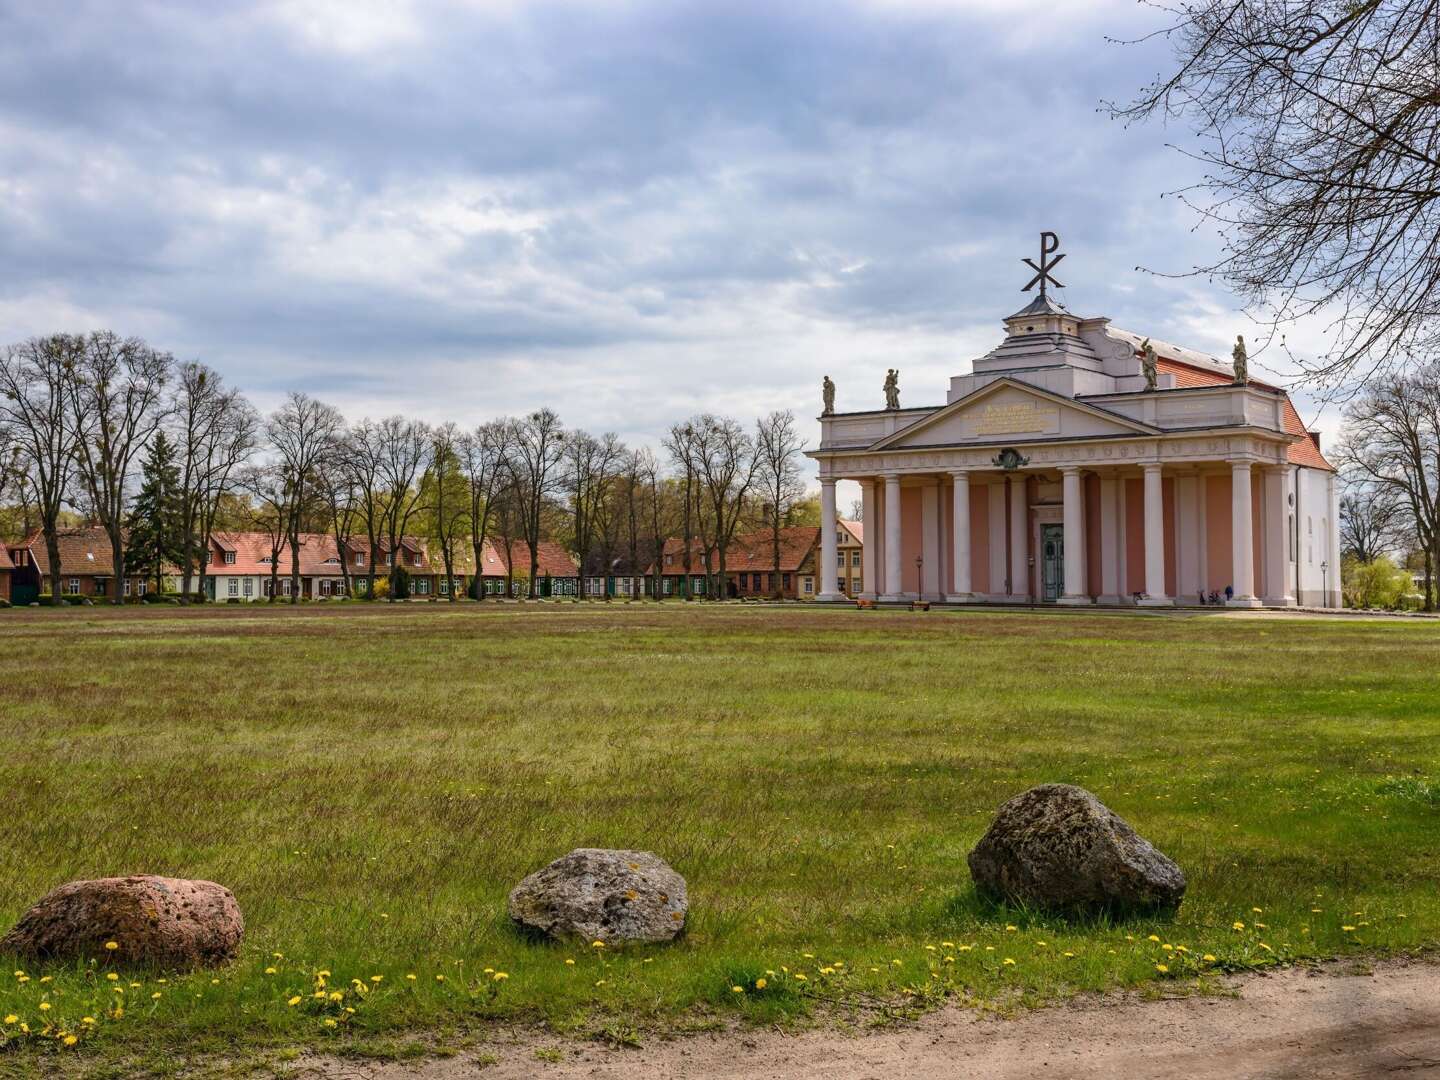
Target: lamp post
point(919, 590)
point(1325, 582)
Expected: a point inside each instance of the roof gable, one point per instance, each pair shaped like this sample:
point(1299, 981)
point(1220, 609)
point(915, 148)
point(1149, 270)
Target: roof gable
point(1000, 411)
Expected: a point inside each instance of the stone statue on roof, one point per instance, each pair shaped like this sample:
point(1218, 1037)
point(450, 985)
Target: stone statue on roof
point(1239, 360)
point(892, 389)
point(1149, 365)
point(827, 394)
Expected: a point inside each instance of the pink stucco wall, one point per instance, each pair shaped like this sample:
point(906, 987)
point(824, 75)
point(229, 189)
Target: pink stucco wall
point(1217, 533)
point(911, 535)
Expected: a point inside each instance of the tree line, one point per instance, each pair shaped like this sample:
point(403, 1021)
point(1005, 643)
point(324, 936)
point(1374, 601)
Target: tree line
point(163, 455)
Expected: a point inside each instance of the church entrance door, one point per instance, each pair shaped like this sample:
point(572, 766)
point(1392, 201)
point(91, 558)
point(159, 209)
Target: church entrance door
point(1052, 568)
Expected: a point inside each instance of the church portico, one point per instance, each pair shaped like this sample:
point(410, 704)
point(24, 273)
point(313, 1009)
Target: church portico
point(1136, 479)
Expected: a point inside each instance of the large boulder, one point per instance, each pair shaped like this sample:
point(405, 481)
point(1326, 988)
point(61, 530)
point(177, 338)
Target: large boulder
point(603, 895)
point(1058, 847)
point(155, 921)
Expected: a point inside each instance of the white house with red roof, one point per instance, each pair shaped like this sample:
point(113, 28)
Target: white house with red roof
point(1056, 473)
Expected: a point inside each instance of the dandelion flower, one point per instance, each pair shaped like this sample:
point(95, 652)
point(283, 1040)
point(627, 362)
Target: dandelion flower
point(87, 1019)
point(112, 945)
point(500, 976)
point(44, 1006)
point(377, 978)
point(70, 1040)
point(760, 984)
point(270, 971)
point(569, 962)
point(410, 978)
point(800, 976)
point(294, 1001)
point(329, 1022)
point(1009, 961)
point(1347, 929)
point(597, 944)
point(112, 976)
point(1153, 937)
point(12, 1018)
point(737, 989)
point(1161, 968)
point(439, 978)
point(1238, 925)
point(337, 995)
point(155, 995)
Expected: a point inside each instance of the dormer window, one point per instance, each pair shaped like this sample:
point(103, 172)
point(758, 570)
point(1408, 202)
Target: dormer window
point(229, 558)
point(359, 558)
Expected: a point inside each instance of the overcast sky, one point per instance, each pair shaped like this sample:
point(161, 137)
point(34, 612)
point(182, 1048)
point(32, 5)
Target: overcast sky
point(628, 212)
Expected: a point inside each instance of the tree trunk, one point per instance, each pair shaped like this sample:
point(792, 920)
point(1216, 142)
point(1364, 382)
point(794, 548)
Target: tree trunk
point(117, 552)
point(52, 549)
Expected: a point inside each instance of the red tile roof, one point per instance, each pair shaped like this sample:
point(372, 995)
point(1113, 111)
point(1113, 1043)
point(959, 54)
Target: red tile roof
point(553, 560)
point(753, 551)
point(855, 529)
point(6, 563)
point(84, 552)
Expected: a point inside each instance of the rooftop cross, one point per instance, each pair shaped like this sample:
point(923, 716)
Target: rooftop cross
point(1049, 244)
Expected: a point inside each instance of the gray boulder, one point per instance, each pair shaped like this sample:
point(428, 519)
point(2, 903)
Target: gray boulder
point(154, 921)
point(1058, 847)
point(603, 895)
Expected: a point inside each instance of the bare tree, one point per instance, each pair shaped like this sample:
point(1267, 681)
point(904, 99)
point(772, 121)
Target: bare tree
point(483, 457)
point(270, 491)
point(403, 448)
point(35, 410)
point(362, 453)
point(1392, 441)
point(590, 466)
point(1318, 129)
point(117, 401)
point(335, 482)
point(537, 449)
point(302, 431)
point(727, 465)
point(777, 449)
point(680, 445)
point(449, 490)
point(218, 431)
point(1370, 518)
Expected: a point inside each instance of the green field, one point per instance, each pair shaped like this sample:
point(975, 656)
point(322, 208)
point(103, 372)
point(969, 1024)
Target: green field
point(372, 780)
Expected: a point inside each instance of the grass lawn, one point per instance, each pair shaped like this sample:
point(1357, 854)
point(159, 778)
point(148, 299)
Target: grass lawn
point(372, 780)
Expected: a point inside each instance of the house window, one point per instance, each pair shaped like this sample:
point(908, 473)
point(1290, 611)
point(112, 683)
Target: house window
point(786, 581)
point(770, 582)
point(389, 559)
point(855, 559)
point(229, 558)
point(127, 586)
point(444, 586)
point(667, 585)
point(142, 587)
point(74, 586)
point(807, 585)
point(233, 588)
point(285, 586)
point(325, 587)
point(249, 587)
point(422, 586)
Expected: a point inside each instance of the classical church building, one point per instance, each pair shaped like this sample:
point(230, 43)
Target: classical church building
point(1074, 465)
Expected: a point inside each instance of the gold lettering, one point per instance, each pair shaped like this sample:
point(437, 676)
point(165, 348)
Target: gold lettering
point(1014, 418)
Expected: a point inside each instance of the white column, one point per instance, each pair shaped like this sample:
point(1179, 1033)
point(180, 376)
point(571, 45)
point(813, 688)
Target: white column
point(995, 524)
point(1155, 540)
point(1276, 502)
point(829, 578)
point(1109, 539)
point(960, 540)
point(1077, 589)
point(1242, 537)
point(871, 525)
point(1019, 539)
point(893, 583)
point(1188, 540)
point(929, 585)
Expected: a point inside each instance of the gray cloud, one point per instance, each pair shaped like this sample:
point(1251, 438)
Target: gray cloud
point(629, 212)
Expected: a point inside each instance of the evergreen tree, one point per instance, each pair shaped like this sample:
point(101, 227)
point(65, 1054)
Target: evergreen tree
point(155, 539)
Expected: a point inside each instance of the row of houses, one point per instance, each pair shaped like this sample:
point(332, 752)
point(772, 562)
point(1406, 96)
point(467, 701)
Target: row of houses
point(244, 567)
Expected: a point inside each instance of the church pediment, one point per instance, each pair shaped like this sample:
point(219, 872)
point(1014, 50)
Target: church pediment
point(1009, 411)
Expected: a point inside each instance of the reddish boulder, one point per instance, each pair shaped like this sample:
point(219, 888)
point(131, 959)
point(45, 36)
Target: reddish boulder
point(155, 921)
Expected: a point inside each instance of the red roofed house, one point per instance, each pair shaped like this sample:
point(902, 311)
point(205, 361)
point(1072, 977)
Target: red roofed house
point(1056, 472)
point(87, 566)
point(557, 572)
point(749, 565)
point(7, 568)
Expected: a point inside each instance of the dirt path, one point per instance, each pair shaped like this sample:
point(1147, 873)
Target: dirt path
point(1293, 1024)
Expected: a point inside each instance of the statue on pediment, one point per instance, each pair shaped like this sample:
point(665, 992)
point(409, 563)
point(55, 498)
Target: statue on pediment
point(1149, 365)
point(1239, 360)
point(827, 395)
point(892, 389)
